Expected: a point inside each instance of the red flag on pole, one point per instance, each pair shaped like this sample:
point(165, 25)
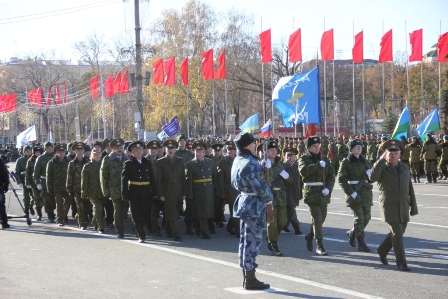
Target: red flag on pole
point(295, 46)
point(170, 72)
point(32, 96)
point(327, 45)
point(221, 71)
point(48, 97)
point(124, 84)
point(386, 47)
point(57, 98)
point(39, 97)
point(109, 86)
point(265, 46)
point(358, 48)
point(442, 45)
point(65, 93)
point(310, 130)
point(416, 41)
point(184, 71)
point(116, 84)
point(157, 70)
point(94, 87)
point(207, 65)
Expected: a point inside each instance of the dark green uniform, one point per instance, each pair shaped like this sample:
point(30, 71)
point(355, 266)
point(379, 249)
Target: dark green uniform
point(371, 152)
point(415, 151)
point(185, 154)
point(227, 192)
point(56, 179)
point(443, 158)
point(430, 153)
point(293, 195)
point(74, 188)
point(20, 173)
point(30, 183)
point(91, 190)
point(39, 176)
point(333, 154)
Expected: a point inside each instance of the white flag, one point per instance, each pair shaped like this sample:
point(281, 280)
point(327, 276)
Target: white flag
point(26, 136)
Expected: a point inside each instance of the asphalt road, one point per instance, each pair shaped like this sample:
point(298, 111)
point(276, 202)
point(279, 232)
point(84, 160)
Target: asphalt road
point(65, 262)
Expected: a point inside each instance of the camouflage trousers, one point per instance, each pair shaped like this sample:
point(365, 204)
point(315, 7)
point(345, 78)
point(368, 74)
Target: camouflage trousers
point(430, 166)
point(415, 168)
point(83, 207)
point(36, 199)
point(251, 232)
point(49, 200)
point(98, 207)
point(318, 215)
point(63, 201)
point(26, 196)
point(443, 167)
point(280, 220)
point(362, 218)
point(120, 212)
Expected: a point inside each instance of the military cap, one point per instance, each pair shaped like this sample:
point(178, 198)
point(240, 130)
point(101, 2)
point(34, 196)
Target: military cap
point(26, 147)
point(199, 145)
point(107, 141)
point(170, 143)
point(272, 144)
point(244, 139)
point(189, 144)
point(127, 143)
point(312, 140)
point(153, 144)
point(392, 145)
point(47, 144)
point(96, 150)
point(69, 146)
point(354, 142)
point(98, 143)
point(296, 139)
point(217, 146)
point(59, 147)
point(78, 145)
point(87, 148)
point(180, 137)
point(116, 142)
point(135, 144)
point(290, 151)
point(37, 149)
point(384, 137)
point(230, 145)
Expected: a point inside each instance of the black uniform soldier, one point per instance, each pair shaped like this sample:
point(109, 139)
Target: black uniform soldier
point(219, 204)
point(138, 187)
point(4, 185)
point(171, 187)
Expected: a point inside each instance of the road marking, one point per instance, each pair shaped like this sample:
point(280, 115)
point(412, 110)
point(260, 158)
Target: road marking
point(441, 195)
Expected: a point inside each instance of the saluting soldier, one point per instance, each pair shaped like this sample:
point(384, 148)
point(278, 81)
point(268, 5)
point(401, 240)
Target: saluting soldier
point(20, 172)
point(351, 171)
point(39, 176)
point(138, 186)
point(293, 190)
point(31, 184)
point(56, 178)
point(111, 169)
point(171, 187)
point(200, 179)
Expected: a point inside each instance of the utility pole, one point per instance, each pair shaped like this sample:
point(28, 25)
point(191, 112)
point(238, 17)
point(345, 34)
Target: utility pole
point(138, 61)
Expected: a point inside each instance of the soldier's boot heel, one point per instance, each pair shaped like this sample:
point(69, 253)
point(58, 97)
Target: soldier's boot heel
point(415, 178)
point(362, 246)
point(309, 241)
point(252, 283)
point(418, 178)
point(32, 212)
point(428, 179)
point(320, 250)
point(434, 178)
point(275, 250)
point(39, 213)
point(351, 237)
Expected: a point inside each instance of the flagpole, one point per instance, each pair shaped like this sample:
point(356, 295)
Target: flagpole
point(422, 93)
point(164, 102)
point(325, 90)
point(225, 100)
point(382, 79)
point(440, 77)
point(102, 108)
point(113, 117)
point(407, 79)
point(354, 104)
point(188, 113)
point(262, 82)
point(213, 109)
point(272, 104)
point(392, 87)
point(336, 102)
point(363, 98)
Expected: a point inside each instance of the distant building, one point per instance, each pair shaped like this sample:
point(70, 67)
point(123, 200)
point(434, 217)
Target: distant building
point(431, 56)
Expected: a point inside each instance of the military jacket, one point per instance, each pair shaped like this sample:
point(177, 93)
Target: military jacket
point(405, 154)
point(247, 177)
point(293, 190)
point(29, 179)
point(185, 154)
point(134, 171)
point(311, 172)
point(444, 149)
point(224, 184)
point(415, 150)
point(274, 175)
point(90, 180)
point(430, 150)
point(74, 176)
point(342, 151)
point(57, 175)
point(353, 169)
point(40, 168)
point(110, 175)
point(154, 170)
point(301, 149)
point(332, 151)
point(325, 144)
point(371, 151)
point(20, 170)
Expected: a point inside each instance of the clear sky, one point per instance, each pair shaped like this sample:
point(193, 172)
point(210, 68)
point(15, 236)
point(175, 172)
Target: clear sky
point(111, 18)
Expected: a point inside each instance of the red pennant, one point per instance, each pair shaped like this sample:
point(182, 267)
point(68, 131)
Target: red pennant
point(184, 71)
point(416, 41)
point(221, 71)
point(94, 87)
point(38, 99)
point(116, 84)
point(170, 72)
point(157, 71)
point(358, 48)
point(109, 86)
point(207, 64)
point(386, 47)
point(48, 97)
point(310, 130)
point(124, 83)
point(265, 46)
point(442, 45)
point(57, 98)
point(327, 45)
point(295, 46)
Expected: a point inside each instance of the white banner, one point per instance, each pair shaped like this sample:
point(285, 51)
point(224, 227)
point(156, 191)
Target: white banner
point(26, 136)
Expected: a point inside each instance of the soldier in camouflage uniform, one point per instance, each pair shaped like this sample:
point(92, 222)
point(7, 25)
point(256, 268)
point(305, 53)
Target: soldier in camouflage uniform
point(312, 167)
point(250, 207)
point(111, 169)
point(325, 144)
point(294, 190)
point(301, 148)
point(443, 158)
point(332, 153)
point(74, 184)
point(415, 150)
point(156, 204)
point(56, 177)
point(430, 153)
point(91, 188)
point(371, 150)
point(342, 151)
point(31, 184)
point(20, 172)
point(352, 169)
point(39, 176)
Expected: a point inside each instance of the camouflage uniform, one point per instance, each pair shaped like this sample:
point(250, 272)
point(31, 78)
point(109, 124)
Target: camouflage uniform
point(56, 178)
point(20, 172)
point(29, 181)
point(415, 150)
point(185, 154)
point(429, 153)
point(443, 158)
point(342, 153)
point(371, 152)
point(91, 190)
point(39, 174)
point(74, 188)
point(301, 149)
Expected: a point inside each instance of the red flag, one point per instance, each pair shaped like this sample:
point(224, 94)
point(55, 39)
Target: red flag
point(386, 47)
point(265, 46)
point(184, 71)
point(13, 103)
point(221, 71)
point(2, 103)
point(39, 97)
point(94, 87)
point(442, 45)
point(416, 41)
point(157, 71)
point(310, 130)
point(48, 97)
point(9, 103)
point(170, 72)
point(65, 93)
point(124, 84)
point(295, 46)
point(358, 48)
point(207, 65)
point(116, 84)
point(327, 45)
point(57, 98)
point(32, 96)
point(109, 86)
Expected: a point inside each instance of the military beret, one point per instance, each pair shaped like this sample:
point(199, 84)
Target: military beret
point(170, 143)
point(230, 145)
point(98, 143)
point(96, 150)
point(37, 149)
point(107, 141)
point(116, 142)
point(312, 140)
point(392, 145)
point(47, 144)
point(217, 146)
point(59, 147)
point(354, 142)
point(135, 144)
point(244, 139)
point(78, 145)
point(199, 145)
point(180, 137)
point(290, 151)
point(153, 144)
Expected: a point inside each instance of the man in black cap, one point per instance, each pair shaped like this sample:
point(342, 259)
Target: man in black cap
point(294, 190)
point(397, 200)
point(181, 151)
point(138, 186)
point(39, 176)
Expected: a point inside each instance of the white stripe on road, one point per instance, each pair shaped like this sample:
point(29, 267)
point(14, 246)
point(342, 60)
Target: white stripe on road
point(441, 195)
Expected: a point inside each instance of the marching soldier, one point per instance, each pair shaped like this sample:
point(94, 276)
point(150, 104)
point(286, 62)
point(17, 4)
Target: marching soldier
point(325, 144)
point(138, 186)
point(443, 158)
point(342, 150)
point(39, 176)
point(155, 205)
point(293, 190)
point(31, 184)
point(354, 170)
point(111, 169)
point(171, 187)
point(430, 153)
point(415, 150)
point(20, 172)
point(371, 150)
point(332, 153)
point(313, 167)
point(56, 178)
point(4, 185)
point(219, 204)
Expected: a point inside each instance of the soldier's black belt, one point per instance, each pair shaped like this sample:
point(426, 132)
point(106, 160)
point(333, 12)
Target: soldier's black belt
point(202, 180)
point(139, 183)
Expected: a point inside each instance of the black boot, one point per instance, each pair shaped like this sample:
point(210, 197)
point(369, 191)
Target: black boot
point(434, 178)
point(275, 250)
point(320, 250)
point(309, 241)
point(428, 178)
point(27, 212)
point(418, 178)
point(250, 282)
point(362, 245)
point(415, 178)
point(32, 211)
point(351, 237)
point(189, 230)
point(39, 213)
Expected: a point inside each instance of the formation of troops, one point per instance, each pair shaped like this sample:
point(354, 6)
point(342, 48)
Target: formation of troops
point(197, 178)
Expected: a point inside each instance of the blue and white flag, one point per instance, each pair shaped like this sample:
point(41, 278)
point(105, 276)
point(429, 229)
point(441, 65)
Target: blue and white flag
point(298, 98)
point(251, 124)
point(162, 135)
point(28, 135)
point(172, 128)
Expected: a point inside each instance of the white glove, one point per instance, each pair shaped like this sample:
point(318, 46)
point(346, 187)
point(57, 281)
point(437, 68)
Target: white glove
point(368, 171)
point(20, 185)
point(39, 186)
point(28, 186)
point(322, 163)
point(284, 174)
point(266, 163)
point(325, 192)
point(354, 194)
